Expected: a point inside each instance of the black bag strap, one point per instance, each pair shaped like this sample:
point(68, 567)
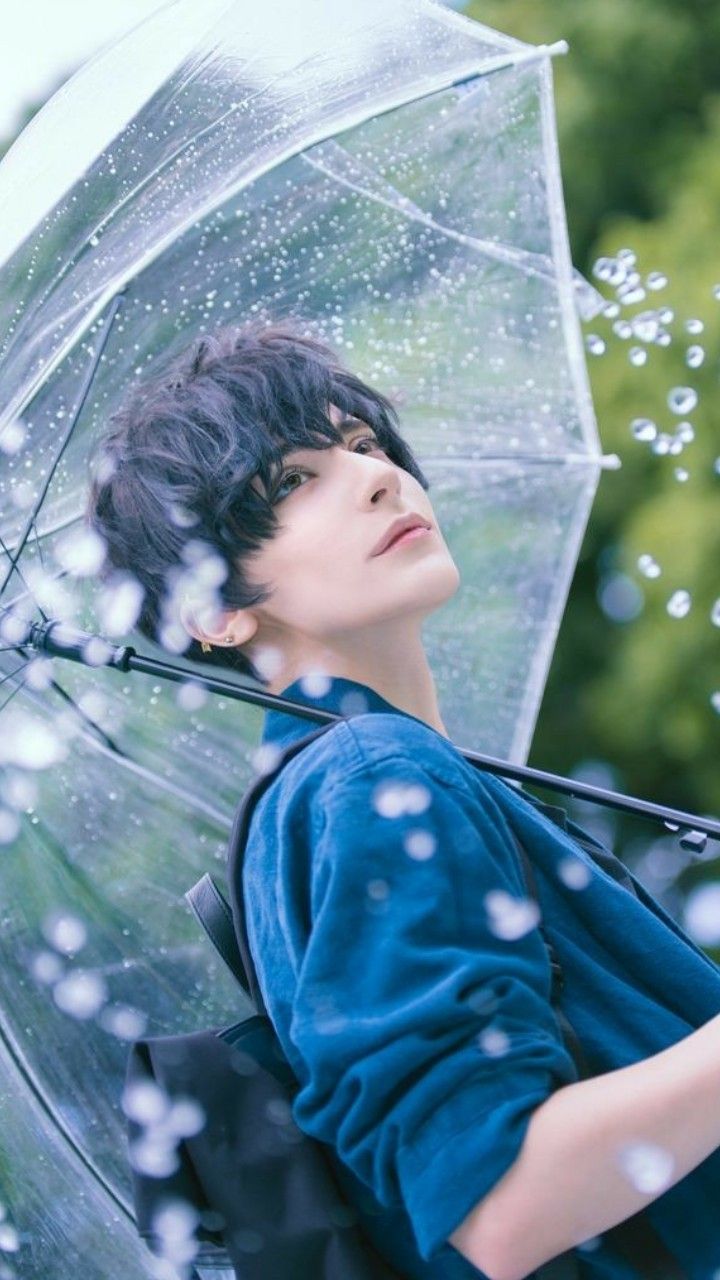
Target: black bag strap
point(635, 1239)
point(214, 914)
point(225, 924)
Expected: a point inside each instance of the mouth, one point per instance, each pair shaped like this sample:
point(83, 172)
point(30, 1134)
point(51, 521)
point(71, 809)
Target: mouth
point(405, 530)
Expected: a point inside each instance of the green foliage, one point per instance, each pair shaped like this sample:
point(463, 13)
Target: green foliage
point(639, 128)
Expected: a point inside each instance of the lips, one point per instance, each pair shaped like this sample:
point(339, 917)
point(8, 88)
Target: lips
point(397, 528)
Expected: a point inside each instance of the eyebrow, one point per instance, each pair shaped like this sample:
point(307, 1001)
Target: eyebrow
point(344, 425)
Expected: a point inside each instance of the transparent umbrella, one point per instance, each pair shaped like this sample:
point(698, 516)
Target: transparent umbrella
point(388, 173)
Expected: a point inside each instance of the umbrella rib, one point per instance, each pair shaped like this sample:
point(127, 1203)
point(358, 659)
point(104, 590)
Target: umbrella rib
point(20, 685)
point(55, 1120)
point(55, 528)
point(518, 258)
point(85, 388)
point(153, 177)
point(188, 797)
point(19, 572)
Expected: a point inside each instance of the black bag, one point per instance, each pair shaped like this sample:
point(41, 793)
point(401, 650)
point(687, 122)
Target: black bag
point(269, 1198)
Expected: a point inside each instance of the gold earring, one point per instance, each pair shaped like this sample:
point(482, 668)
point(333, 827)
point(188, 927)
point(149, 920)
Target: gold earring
point(229, 639)
point(205, 646)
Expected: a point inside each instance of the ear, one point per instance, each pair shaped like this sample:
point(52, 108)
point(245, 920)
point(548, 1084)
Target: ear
point(215, 628)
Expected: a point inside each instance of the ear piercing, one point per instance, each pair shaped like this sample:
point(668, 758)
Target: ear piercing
point(207, 647)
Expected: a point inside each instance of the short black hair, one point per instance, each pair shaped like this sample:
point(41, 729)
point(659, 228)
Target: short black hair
point(171, 479)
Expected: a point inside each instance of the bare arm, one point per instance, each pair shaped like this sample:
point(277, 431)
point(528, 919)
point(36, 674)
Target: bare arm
point(568, 1183)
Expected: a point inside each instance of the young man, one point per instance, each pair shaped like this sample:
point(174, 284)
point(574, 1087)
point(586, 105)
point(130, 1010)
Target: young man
point(397, 953)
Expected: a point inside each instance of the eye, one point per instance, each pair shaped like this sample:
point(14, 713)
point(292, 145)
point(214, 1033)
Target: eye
point(300, 471)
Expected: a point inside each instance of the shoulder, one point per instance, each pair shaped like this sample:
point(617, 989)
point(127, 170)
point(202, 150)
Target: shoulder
point(355, 749)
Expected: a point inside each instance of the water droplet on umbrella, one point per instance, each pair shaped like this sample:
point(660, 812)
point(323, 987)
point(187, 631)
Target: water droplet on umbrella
point(611, 309)
point(81, 552)
point(622, 328)
point(667, 315)
point(716, 466)
point(392, 799)
point(645, 325)
point(648, 566)
point(630, 295)
point(715, 613)
point(145, 1102)
point(420, 844)
point(9, 1238)
point(154, 1154)
point(269, 660)
point(19, 789)
point(186, 1117)
point(681, 474)
point(39, 673)
point(119, 604)
point(716, 291)
point(30, 743)
point(9, 826)
point(12, 436)
point(676, 446)
point(627, 256)
point(637, 355)
point(694, 356)
point(656, 280)
point(23, 495)
point(494, 1042)
point(647, 1166)
point(46, 967)
point(65, 932)
point(679, 604)
point(643, 429)
point(265, 757)
point(80, 994)
point(510, 918)
point(609, 270)
point(574, 872)
point(701, 914)
point(685, 432)
point(595, 344)
point(50, 593)
point(315, 684)
point(682, 399)
point(619, 597)
point(181, 516)
point(715, 701)
point(191, 695)
point(693, 325)
point(96, 652)
point(174, 1222)
point(123, 1021)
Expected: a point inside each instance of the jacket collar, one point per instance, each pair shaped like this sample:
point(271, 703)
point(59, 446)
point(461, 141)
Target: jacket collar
point(334, 693)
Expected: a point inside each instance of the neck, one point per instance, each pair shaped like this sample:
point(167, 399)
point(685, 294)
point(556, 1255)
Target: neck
point(399, 671)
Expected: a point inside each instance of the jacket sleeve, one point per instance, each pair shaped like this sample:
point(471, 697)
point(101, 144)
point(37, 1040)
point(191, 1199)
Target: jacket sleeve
point(422, 1007)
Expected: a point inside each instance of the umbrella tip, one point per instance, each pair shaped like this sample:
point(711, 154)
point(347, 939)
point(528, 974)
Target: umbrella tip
point(610, 462)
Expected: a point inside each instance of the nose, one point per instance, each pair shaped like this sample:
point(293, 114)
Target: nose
point(379, 476)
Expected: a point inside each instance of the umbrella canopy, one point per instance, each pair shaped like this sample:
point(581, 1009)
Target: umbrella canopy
point(390, 174)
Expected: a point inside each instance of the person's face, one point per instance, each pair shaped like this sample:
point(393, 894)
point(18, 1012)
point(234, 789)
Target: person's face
point(334, 505)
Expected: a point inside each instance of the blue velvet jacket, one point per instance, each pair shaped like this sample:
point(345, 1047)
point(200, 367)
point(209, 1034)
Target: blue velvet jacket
point(409, 985)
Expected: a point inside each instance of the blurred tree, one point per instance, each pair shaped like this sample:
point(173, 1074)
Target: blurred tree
point(639, 129)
